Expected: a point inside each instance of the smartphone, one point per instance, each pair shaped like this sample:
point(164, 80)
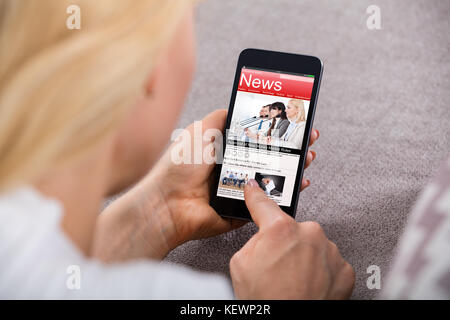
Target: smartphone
point(267, 131)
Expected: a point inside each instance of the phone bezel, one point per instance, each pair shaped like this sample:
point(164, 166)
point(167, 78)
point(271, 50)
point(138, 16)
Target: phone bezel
point(276, 61)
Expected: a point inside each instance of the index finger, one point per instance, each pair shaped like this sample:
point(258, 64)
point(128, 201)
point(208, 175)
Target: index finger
point(313, 136)
point(262, 209)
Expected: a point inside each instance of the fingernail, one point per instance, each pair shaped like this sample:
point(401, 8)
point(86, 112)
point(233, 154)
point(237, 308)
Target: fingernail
point(317, 133)
point(307, 181)
point(253, 183)
point(313, 154)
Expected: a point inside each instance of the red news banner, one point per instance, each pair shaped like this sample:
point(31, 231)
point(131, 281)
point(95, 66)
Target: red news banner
point(276, 84)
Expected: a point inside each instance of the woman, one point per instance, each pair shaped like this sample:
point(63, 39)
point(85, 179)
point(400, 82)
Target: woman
point(279, 120)
point(293, 136)
point(75, 126)
point(277, 125)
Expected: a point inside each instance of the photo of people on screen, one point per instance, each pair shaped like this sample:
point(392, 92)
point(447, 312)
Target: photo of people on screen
point(260, 123)
point(234, 179)
point(271, 184)
point(279, 124)
point(292, 137)
point(276, 126)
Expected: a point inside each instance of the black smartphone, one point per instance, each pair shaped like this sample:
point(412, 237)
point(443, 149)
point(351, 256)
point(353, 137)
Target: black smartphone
point(267, 131)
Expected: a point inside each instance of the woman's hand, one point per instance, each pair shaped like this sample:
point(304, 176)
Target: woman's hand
point(186, 189)
point(168, 207)
point(286, 259)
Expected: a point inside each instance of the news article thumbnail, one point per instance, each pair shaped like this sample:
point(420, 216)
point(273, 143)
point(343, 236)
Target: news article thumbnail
point(269, 120)
point(271, 184)
point(234, 179)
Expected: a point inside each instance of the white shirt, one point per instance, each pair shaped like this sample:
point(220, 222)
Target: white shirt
point(269, 187)
point(294, 139)
point(289, 129)
point(36, 258)
point(264, 126)
point(277, 120)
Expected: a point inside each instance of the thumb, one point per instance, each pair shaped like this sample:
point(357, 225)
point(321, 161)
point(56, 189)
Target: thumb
point(262, 209)
point(215, 120)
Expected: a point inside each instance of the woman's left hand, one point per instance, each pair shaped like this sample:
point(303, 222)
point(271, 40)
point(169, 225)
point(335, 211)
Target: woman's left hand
point(171, 204)
point(186, 187)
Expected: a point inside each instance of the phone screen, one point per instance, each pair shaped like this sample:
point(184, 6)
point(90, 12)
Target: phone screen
point(266, 133)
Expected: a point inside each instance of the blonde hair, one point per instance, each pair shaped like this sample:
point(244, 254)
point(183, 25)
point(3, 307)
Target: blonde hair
point(300, 106)
point(62, 91)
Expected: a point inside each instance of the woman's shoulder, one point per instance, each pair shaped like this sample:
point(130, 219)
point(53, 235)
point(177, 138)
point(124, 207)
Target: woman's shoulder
point(301, 125)
point(300, 128)
point(27, 206)
point(42, 262)
point(36, 248)
point(29, 219)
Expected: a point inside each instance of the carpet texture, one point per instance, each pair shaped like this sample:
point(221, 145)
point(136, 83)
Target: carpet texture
point(383, 113)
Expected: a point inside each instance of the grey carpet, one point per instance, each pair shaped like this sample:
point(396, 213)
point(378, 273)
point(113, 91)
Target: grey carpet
point(383, 113)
